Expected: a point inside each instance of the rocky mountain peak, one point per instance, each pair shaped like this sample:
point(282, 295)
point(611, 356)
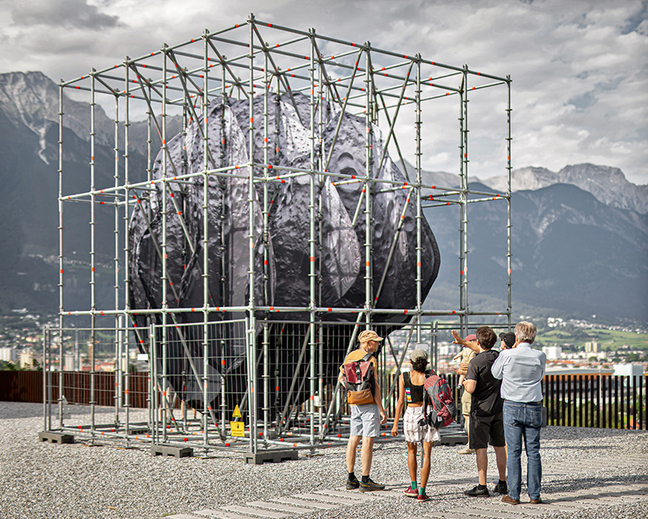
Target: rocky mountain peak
point(609, 185)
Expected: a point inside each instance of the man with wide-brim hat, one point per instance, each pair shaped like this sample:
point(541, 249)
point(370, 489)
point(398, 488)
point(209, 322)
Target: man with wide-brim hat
point(365, 418)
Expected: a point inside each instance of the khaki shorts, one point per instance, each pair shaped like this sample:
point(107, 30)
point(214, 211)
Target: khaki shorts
point(466, 402)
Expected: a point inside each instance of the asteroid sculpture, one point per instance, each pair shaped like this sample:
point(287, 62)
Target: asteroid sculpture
point(281, 260)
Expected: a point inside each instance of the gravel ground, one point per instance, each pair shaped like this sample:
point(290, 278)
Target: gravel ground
point(44, 480)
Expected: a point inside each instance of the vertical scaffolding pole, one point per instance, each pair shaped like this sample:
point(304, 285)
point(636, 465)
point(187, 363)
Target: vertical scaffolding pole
point(266, 244)
point(126, 321)
point(312, 303)
point(463, 201)
point(46, 385)
point(93, 303)
point(60, 227)
point(165, 279)
point(419, 210)
point(118, 343)
point(368, 187)
point(509, 170)
point(223, 402)
point(252, 303)
point(205, 216)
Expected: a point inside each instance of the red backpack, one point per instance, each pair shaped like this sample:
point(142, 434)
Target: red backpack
point(438, 405)
point(358, 377)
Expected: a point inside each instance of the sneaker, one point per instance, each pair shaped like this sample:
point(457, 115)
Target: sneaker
point(501, 488)
point(510, 500)
point(535, 501)
point(422, 498)
point(352, 484)
point(411, 492)
point(466, 450)
point(370, 486)
point(477, 492)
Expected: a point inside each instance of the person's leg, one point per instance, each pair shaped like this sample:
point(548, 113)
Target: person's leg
point(411, 462)
point(366, 454)
point(482, 465)
point(532, 442)
point(425, 467)
point(352, 447)
point(500, 456)
point(513, 433)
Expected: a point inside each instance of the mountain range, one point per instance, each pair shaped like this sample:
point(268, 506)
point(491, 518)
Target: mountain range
point(579, 235)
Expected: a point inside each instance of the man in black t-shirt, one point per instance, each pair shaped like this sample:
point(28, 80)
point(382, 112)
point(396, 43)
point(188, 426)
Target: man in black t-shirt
point(486, 418)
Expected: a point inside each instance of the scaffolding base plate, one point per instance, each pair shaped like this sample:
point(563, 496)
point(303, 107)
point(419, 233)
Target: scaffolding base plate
point(55, 437)
point(168, 450)
point(454, 439)
point(271, 456)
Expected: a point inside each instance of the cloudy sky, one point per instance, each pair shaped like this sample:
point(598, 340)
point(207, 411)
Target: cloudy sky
point(579, 68)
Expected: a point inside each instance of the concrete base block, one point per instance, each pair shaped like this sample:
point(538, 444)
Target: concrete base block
point(168, 450)
point(453, 435)
point(55, 437)
point(271, 456)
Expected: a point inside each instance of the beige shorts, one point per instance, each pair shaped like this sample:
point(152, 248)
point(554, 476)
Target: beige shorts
point(466, 402)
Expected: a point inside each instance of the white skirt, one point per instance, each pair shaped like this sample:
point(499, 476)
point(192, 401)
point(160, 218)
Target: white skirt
point(415, 433)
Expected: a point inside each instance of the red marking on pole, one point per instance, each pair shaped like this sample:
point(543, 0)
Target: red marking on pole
point(368, 263)
point(312, 258)
point(271, 308)
point(223, 362)
point(447, 203)
point(277, 388)
point(454, 311)
point(227, 445)
point(193, 309)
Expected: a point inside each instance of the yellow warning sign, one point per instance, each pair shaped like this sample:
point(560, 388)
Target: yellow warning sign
point(237, 413)
point(238, 428)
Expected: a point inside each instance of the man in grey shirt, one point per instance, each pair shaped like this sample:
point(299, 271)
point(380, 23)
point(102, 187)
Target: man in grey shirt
point(521, 370)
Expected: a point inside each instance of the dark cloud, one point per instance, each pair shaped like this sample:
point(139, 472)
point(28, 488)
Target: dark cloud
point(62, 13)
point(633, 22)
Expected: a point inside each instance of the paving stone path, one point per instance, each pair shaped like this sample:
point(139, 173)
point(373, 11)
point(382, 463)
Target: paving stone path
point(566, 503)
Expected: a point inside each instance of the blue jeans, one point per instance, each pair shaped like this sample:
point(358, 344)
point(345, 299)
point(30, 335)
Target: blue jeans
point(523, 421)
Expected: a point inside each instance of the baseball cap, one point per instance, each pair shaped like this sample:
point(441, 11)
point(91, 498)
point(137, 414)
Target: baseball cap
point(418, 354)
point(508, 338)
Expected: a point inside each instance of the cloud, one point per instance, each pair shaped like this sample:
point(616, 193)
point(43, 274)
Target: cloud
point(579, 68)
point(62, 13)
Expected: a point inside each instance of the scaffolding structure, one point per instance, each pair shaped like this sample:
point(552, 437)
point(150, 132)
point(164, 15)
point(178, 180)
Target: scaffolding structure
point(251, 61)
